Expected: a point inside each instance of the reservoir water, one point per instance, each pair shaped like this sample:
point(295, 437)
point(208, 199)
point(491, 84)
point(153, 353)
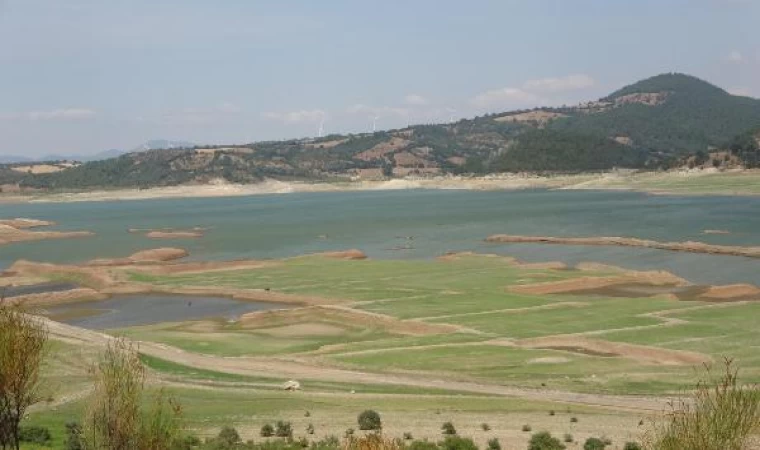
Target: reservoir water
point(411, 224)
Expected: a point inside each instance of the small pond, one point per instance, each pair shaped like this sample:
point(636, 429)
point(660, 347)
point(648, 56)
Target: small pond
point(147, 309)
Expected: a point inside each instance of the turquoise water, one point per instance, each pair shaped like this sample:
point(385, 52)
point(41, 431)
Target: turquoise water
point(380, 223)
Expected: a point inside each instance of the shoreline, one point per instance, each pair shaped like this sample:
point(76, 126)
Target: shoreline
point(695, 182)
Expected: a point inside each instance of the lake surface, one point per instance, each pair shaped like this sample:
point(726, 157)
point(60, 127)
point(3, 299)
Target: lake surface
point(381, 223)
point(134, 310)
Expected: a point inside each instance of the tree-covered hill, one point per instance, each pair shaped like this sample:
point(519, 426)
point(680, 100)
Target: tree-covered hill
point(656, 123)
point(691, 116)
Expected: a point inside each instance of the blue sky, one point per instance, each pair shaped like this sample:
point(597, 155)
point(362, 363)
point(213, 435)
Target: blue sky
point(82, 76)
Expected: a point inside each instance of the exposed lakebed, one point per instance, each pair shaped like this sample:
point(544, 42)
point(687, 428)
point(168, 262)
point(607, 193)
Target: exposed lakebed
point(147, 309)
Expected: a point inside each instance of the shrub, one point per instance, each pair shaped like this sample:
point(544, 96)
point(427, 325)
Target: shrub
point(408, 436)
point(34, 435)
point(544, 441)
point(551, 413)
point(632, 446)
point(307, 414)
point(73, 436)
point(283, 429)
point(369, 420)
point(303, 442)
point(310, 429)
point(372, 441)
point(448, 429)
point(485, 427)
point(573, 420)
point(457, 443)
point(423, 445)
point(349, 432)
point(228, 436)
point(568, 438)
point(493, 444)
point(267, 430)
point(593, 443)
point(721, 416)
point(526, 428)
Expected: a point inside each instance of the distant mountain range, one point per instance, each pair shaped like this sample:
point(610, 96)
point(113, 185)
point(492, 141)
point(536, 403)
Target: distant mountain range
point(113, 153)
point(665, 121)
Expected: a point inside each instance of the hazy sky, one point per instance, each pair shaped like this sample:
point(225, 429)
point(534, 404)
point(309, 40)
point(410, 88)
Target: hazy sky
point(82, 76)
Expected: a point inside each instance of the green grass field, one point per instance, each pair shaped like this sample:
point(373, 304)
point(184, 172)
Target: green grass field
point(485, 322)
point(471, 292)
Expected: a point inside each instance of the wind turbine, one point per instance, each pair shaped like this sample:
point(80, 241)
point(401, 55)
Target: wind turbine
point(321, 130)
point(374, 123)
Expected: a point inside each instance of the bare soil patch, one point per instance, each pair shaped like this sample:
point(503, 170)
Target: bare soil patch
point(687, 246)
point(629, 279)
point(596, 347)
point(22, 224)
point(58, 298)
point(9, 234)
point(353, 253)
point(144, 256)
point(731, 292)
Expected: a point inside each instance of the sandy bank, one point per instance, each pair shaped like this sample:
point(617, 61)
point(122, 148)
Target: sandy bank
point(143, 256)
point(10, 234)
point(687, 246)
point(22, 224)
point(170, 233)
point(223, 189)
point(731, 292)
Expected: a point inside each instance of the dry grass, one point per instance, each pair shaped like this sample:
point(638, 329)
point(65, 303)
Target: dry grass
point(722, 415)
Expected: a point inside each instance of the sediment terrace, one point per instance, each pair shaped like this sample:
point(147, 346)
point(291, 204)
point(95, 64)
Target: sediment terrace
point(686, 246)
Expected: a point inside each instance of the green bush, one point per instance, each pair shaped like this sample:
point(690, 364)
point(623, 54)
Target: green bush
point(527, 428)
point(593, 443)
point(369, 420)
point(485, 427)
point(228, 436)
point(267, 430)
point(632, 446)
point(493, 444)
point(35, 435)
point(423, 445)
point(448, 429)
point(457, 443)
point(544, 441)
point(283, 429)
point(73, 436)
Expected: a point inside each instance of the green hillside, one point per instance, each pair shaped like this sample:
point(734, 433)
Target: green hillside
point(693, 116)
point(659, 122)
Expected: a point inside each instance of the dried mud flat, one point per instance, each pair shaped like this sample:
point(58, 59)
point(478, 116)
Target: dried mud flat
point(687, 246)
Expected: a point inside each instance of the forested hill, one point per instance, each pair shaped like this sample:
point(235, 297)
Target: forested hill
point(655, 123)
